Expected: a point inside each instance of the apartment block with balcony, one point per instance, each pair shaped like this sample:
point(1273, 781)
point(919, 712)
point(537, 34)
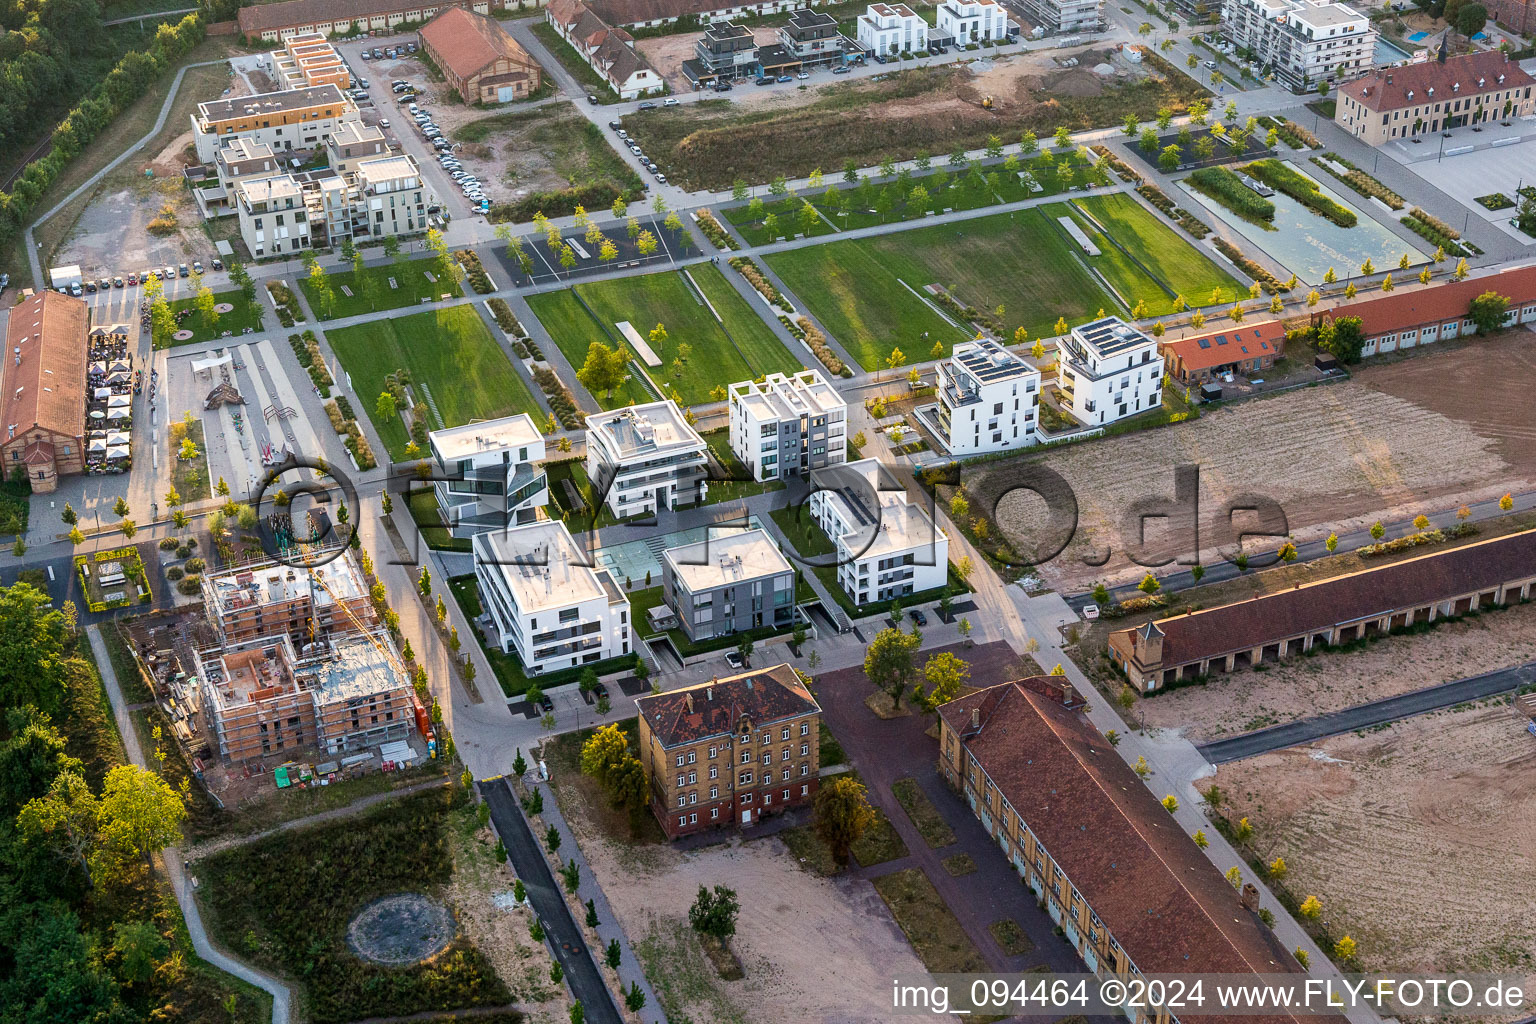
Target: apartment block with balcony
point(812, 37)
point(1130, 892)
point(488, 474)
point(731, 751)
point(1109, 370)
point(728, 584)
point(726, 50)
point(293, 119)
point(1064, 17)
point(274, 219)
point(645, 458)
point(308, 59)
point(988, 400)
point(788, 424)
point(239, 159)
point(972, 21)
point(545, 601)
point(890, 29)
point(1302, 41)
point(887, 546)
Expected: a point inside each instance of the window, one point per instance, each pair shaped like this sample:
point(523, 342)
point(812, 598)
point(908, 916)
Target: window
point(784, 754)
point(786, 775)
point(692, 757)
point(693, 777)
point(767, 798)
point(682, 800)
point(693, 819)
point(805, 748)
point(714, 792)
point(681, 780)
point(785, 736)
point(682, 819)
point(693, 798)
point(745, 779)
point(746, 757)
point(714, 771)
point(714, 751)
point(805, 728)
point(805, 790)
point(714, 813)
point(805, 769)
point(786, 794)
point(767, 757)
point(679, 760)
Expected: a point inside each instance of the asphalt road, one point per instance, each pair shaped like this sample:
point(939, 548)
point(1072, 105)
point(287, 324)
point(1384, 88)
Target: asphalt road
point(1364, 716)
point(565, 938)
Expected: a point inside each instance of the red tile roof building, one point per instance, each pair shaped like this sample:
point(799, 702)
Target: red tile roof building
point(1426, 98)
point(1433, 586)
point(277, 21)
point(1246, 348)
point(610, 50)
point(43, 386)
point(1421, 316)
point(1128, 887)
point(730, 751)
point(478, 57)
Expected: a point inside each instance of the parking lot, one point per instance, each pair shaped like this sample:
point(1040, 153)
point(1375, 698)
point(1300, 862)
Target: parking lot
point(385, 108)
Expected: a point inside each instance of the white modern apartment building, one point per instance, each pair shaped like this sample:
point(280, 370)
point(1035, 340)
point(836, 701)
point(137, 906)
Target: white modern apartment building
point(546, 602)
point(1062, 17)
point(273, 217)
point(488, 474)
point(886, 546)
point(971, 21)
point(788, 424)
point(989, 400)
point(1303, 41)
point(889, 29)
point(1109, 370)
point(293, 119)
point(645, 458)
point(729, 583)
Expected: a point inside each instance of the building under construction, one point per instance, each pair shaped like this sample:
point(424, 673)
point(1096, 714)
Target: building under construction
point(262, 698)
point(308, 604)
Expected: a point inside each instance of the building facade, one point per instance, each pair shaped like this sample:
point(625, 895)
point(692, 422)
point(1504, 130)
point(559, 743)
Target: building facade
point(44, 389)
point(1246, 349)
point(1109, 370)
point(1302, 41)
point(275, 22)
point(307, 605)
point(294, 119)
point(479, 59)
point(812, 37)
point(610, 51)
point(1130, 895)
point(731, 751)
point(972, 21)
point(988, 400)
point(488, 474)
point(891, 29)
point(729, 584)
point(308, 60)
point(1411, 100)
point(1423, 316)
point(1487, 574)
point(645, 458)
point(1064, 17)
point(788, 424)
point(545, 601)
point(887, 547)
point(274, 218)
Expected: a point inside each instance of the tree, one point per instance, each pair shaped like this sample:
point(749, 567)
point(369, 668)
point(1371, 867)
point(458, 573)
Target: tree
point(1235, 877)
point(1168, 160)
point(613, 953)
point(1277, 868)
point(944, 675)
point(1311, 908)
point(1287, 551)
point(1344, 950)
point(64, 820)
point(842, 815)
point(1141, 768)
point(571, 875)
point(964, 626)
point(1487, 312)
point(1244, 830)
point(714, 912)
point(888, 661)
point(1471, 19)
point(1197, 572)
point(1343, 337)
point(603, 753)
point(140, 814)
point(744, 649)
point(31, 650)
point(604, 368)
point(139, 946)
point(1148, 141)
point(1332, 543)
point(1149, 585)
point(1377, 530)
point(1302, 957)
point(1199, 838)
point(1170, 803)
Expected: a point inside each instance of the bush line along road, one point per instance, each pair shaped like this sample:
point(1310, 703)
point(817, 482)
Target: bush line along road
point(545, 857)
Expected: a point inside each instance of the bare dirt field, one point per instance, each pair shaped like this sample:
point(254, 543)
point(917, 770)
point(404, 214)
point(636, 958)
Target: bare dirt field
point(1426, 432)
point(813, 949)
point(897, 113)
point(1305, 686)
point(1419, 839)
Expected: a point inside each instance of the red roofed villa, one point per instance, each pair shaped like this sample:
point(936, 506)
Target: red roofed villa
point(1436, 95)
point(1242, 348)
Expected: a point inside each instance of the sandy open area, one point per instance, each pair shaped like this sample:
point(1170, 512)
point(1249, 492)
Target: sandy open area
point(1426, 432)
point(1420, 839)
point(1303, 687)
point(814, 949)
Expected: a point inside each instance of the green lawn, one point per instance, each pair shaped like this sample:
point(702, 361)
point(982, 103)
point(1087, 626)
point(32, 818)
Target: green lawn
point(429, 522)
point(1019, 261)
point(1171, 260)
point(373, 292)
point(449, 354)
point(740, 483)
point(802, 532)
point(743, 348)
point(245, 314)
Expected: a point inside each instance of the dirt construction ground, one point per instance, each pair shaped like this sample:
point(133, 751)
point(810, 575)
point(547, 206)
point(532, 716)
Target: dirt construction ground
point(1427, 431)
point(1305, 686)
point(1419, 839)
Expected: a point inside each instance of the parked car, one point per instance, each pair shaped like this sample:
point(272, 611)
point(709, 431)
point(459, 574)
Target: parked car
point(90, 287)
point(786, 78)
point(841, 69)
point(197, 267)
point(218, 264)
point(591, 98)
point(734, 660)
point(647, 105)
point(636, 150)
point(383, 122)
point(362, 83)
point(918, 616)
point(117, 282)
point(367, 55)
point(803, 75)
point(722, 86)
point(662, 178)
point(1211, 65)
point(105, 284)
point(133, 279)
point(184, 270)
point(879, 58)
point(615, 126)
point(765, 80)
point(671, 102)
point(169, 273)
point(411, 47)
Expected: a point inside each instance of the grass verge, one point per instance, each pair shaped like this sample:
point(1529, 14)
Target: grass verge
point(930, 926)
point(930, 823)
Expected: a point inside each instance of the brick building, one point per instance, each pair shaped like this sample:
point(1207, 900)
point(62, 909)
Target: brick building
point(730, 751)
point(43, 382)
point(1422, 316)
point(1242, 348)
point(478, 58)
point(274, 598)
point(1373, 601)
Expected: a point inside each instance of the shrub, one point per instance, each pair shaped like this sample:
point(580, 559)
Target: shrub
point(713, 231)
point(755, 277)
point(504, 318)
point(474, 270)
point(338, 421)
point(1186, 220)
point(1226, 188)
point(818, 343)
point(183, 550)
point(190, 585)
point(1293, 134)
point(175, 573)
point(1302, 189)
point(1269, 282)
point(560, 398)
point(168, 543)
point(195, 565)
point(1358, 180)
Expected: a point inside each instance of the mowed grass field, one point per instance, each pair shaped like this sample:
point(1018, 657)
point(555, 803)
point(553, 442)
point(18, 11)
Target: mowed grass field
point(1164, 257)
point(411, 286)
point(1019, 261)
point(742, 347)
point(449, 353)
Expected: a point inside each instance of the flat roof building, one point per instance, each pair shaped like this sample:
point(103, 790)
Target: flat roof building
point(788, 424)
point(988, 400)
point(887, 547)
point(488, 475)
point(646, 457)
point(287, 120)
point(730, 583)
point(1109, 370)
point(307, 60)
point(1302, 41)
